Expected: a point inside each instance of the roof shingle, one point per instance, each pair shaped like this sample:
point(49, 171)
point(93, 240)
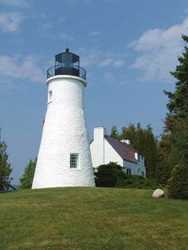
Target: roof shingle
point(124, 150)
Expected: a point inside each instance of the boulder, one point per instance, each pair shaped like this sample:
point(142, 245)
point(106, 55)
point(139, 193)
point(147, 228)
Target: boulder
point(158, 193)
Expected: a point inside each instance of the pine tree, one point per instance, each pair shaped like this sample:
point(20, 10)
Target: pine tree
point(5, 168)
point(164, 168)
point(27, 178)
point(177, 128)
point(178, 101)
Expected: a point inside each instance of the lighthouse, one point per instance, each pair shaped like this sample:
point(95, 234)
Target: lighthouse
point(64, 158)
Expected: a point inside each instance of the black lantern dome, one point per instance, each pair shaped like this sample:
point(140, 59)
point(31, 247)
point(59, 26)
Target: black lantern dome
point(67, 63)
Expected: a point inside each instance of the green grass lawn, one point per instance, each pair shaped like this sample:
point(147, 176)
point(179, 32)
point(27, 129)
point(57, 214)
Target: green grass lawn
point(92, 218)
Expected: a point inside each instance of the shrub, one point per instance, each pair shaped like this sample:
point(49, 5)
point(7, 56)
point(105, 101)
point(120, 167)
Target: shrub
point(112, 175)
point(109, 175)
point(135, 181)
point(178, 183)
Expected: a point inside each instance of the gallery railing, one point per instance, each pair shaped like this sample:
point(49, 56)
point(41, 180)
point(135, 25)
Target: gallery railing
point(62, 70)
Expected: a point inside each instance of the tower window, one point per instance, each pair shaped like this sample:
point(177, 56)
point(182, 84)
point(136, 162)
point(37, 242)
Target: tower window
point(50, 95)
point(74, 160)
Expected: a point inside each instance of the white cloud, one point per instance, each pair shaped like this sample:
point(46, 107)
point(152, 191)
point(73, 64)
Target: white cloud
point(10, 21)
point(100, 59)
point(118, 63)
point(106, 62)
point(16, 68)
point(158, 50)
point(16, 3)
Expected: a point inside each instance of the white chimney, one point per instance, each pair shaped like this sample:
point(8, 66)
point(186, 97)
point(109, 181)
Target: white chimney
point(97, 147)
point(99, 133)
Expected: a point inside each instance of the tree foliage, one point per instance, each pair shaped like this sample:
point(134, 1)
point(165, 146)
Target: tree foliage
point(144, 141)
point(27, 178)
point(114, 132)
point(109, 175)
point(178, 184)
point(177, 129)
point(164, 167)
point(113, 175)
point(5, 168)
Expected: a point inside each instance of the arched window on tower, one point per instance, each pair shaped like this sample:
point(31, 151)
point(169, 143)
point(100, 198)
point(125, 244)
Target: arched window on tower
point(50, 93)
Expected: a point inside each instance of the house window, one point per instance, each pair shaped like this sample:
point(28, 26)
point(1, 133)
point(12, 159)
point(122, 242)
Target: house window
point(129, 172)
point(136, 156)
point(74, 160)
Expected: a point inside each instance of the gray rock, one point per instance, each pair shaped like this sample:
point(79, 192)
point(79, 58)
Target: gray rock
point(158, 193)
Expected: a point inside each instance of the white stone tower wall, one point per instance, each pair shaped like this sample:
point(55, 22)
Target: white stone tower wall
point(64, 132)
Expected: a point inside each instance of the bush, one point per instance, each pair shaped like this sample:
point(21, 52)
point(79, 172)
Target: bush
point(178, 183)
point(135, 181)
point(109, 175)
point(112, 175)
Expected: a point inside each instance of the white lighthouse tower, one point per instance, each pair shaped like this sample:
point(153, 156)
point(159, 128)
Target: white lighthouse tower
point(64, 156)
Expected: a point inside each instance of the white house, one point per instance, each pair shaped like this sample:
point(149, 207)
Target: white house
point(106, 149)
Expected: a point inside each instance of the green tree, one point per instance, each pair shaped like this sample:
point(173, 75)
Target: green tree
point(144, 141)
point(164, 168)
point(5, 168)
point(130, 133)
point(114, 132)
point(178, 184)
point(27, 178)
point(177, 128)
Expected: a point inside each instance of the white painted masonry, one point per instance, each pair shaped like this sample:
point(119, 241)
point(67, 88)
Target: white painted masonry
point(64, 132)
point(103, 152)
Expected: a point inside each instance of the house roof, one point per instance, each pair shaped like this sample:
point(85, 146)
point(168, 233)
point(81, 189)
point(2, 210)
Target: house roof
point(124, 150)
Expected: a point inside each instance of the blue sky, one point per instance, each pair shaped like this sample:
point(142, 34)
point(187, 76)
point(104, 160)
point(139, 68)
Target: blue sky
point(128, 48)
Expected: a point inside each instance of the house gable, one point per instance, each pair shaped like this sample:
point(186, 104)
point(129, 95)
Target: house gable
point(111, 155)
point(106, 149)
point(125, 151)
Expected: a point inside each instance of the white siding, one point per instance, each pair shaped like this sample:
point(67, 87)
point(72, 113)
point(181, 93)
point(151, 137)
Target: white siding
point(101, 150)
point(137, 168)
point(103, 153)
